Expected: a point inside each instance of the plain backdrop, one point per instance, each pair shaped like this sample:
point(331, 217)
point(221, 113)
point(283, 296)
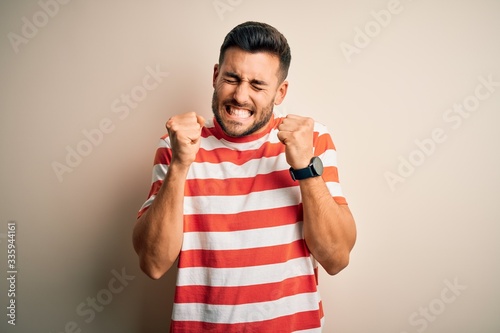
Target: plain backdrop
point(410, 91)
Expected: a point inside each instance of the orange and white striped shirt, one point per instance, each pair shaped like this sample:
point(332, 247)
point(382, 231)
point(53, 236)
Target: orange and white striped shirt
point(244, 265)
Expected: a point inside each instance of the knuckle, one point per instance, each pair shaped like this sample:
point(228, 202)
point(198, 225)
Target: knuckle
point(173, 127)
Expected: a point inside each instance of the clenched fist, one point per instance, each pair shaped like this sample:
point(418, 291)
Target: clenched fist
point(296, 133)
point(185, 135)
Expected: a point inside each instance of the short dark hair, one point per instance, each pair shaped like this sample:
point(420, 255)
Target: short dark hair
point(259, 37)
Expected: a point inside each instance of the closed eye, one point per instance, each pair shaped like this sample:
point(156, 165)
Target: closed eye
point(231, 78)
point(257, 87)
point(231, 81)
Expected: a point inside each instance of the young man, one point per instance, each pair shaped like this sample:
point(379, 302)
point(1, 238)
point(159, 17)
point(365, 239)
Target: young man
point(247, 202)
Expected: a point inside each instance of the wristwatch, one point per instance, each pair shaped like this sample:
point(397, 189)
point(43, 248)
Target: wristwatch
point(314, 169)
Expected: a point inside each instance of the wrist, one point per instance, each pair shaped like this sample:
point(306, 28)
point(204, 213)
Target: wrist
point(179, 167)
point(302, 162)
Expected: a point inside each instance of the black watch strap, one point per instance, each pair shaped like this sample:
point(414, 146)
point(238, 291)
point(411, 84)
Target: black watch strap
point(314, 169)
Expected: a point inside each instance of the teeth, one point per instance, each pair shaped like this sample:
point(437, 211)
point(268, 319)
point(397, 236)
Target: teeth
point(241, 113)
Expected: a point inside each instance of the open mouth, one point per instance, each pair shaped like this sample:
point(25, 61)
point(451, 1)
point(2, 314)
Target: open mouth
point(237, 112)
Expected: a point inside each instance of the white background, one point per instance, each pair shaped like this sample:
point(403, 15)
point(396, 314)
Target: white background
point(436, 225)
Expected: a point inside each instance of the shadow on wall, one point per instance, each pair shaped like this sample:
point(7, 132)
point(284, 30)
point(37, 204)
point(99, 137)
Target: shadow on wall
point(156, 303)
point(145, 305)
point(154, 298)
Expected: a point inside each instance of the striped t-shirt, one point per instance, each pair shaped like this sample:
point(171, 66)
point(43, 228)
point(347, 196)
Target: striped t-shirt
point(244, 265)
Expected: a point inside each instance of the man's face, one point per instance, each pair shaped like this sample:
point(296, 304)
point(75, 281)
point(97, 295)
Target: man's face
point(246, 88)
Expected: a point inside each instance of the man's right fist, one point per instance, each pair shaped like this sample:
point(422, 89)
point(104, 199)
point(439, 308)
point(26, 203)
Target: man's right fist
point(184, 131)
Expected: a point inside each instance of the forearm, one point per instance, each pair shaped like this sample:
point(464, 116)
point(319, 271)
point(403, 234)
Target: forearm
point(158, 233)
point(329, 228)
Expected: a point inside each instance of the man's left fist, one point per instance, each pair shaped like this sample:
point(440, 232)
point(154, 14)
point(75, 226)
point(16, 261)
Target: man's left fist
point(296, 133)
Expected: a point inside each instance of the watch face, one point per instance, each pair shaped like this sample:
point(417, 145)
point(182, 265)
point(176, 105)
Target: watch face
point(317, 165)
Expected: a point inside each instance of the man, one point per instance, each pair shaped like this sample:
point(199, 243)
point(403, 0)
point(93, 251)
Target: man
point(247, 202)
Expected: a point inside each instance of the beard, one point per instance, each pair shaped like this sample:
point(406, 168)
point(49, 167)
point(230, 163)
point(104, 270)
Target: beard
point(232, 127)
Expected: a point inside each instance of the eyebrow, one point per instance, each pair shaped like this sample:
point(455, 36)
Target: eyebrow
point(236, 76)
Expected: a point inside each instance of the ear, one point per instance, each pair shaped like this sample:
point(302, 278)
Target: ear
point(216, 74)
point(281, 93)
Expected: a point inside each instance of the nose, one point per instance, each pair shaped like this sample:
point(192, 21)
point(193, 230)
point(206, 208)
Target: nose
point(242, 93)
